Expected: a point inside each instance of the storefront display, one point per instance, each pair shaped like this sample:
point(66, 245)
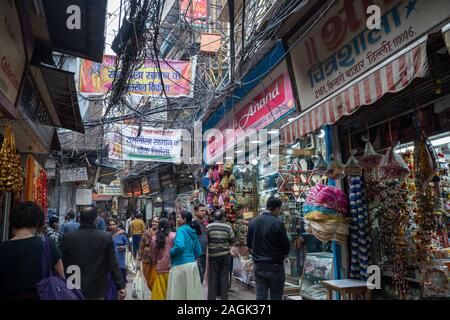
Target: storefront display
point(318, 267)
point(405, 212)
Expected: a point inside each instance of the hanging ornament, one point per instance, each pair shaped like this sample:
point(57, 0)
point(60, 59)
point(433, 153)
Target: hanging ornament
point(370, 159)
point(352, 167)
point(320, 166)
point(295, 180)
point(392, 165)
point(10, 169)
point(335, 169)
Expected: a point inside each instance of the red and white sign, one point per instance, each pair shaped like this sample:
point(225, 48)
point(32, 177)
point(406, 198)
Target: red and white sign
point(266, 103)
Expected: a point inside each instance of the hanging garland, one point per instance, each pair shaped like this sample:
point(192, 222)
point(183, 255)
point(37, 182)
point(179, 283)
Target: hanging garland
point(360, 239)
point(41, 190)
point(10, 169)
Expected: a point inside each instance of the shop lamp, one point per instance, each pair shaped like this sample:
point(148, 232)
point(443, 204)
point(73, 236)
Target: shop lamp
point(440, 141)
point(255, 162)
point(321, 134)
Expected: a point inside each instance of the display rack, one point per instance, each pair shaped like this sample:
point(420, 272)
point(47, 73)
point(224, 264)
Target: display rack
point(318, 267)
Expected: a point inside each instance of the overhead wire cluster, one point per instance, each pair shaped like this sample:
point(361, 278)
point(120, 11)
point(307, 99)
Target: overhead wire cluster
point(211, 85)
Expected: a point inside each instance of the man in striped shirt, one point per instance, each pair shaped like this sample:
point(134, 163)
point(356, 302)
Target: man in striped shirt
point(220, 239)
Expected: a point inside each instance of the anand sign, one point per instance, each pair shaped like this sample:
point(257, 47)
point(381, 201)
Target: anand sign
point(264, 105)
point(341, 48)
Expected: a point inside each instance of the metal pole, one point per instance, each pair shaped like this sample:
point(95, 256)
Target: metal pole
point(6, 216)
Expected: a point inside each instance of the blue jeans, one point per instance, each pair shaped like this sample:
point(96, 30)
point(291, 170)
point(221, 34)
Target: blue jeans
point(136, 242)
point(269, 277)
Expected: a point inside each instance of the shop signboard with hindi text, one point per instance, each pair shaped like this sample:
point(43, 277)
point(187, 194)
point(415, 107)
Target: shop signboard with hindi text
point(152, 144)
point(176, 77)
point(340, 47)
point(73, 174)
point(109, 190)
point(12, 51)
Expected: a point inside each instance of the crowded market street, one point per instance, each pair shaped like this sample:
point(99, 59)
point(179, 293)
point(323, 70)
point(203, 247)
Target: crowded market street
point(279, 151)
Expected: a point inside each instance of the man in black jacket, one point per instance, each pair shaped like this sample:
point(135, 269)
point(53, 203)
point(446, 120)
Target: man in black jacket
point(92, 250)
point(267, 239)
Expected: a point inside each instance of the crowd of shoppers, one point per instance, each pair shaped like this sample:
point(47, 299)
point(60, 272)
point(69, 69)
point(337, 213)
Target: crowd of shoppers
point(174, 264)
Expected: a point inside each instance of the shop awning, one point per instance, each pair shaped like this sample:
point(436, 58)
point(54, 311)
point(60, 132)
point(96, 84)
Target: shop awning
point(61, 86)
point(87, 40)
point(393, 75)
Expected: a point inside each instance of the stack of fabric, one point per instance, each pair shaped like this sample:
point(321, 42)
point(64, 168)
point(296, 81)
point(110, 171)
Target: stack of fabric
point(324, 210)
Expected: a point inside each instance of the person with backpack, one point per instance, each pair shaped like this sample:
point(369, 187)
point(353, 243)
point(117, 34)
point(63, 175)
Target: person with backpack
point(160, 246)
point(93, 251)
point(184, 276)
point(21, 257)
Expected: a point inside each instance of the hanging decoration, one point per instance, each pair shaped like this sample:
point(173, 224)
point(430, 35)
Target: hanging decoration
point(222, 190)
point(335, 169)
point(352, 167)
point(370, 159)
point(325, 208)
point(392, 165)
point(320, 166)
point(41, 190)
point(359, 230)
point(10, 169)
point(295, 181)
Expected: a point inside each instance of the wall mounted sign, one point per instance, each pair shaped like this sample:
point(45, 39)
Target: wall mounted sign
point(263, 106)
point(73, 174)
point(176, 75)
point(12, 51)
point(152, 144)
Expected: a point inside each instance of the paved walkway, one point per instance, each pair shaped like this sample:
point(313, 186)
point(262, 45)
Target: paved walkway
point(237, 292)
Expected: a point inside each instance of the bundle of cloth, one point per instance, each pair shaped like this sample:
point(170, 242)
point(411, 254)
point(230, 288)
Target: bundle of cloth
point(325, 209)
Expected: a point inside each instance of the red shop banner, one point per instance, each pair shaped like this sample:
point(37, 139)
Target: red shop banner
point(269, 102)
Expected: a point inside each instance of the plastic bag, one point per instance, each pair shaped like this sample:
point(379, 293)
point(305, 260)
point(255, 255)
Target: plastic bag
point(237, 267)
point(352, 167)
point(287, 266)
point(138, 286)
point(393, 165)
point(320, 166)
point(335, 169)
point(371, 159)
point(129, 262)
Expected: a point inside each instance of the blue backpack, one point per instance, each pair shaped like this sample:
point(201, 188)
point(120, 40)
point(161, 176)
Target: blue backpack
point(54, 287)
